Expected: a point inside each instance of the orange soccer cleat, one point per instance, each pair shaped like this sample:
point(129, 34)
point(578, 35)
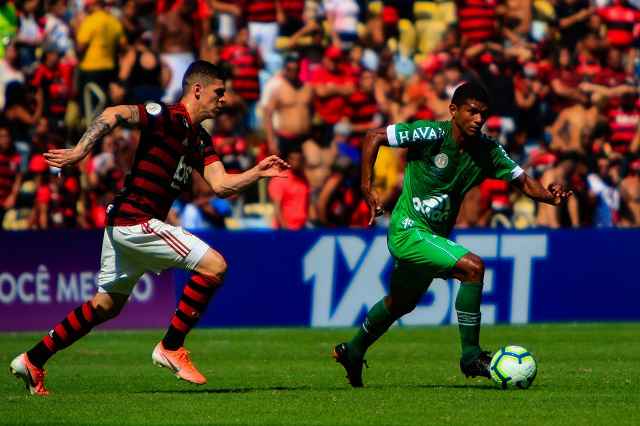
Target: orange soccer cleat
point(177, 361)
point(32, 375)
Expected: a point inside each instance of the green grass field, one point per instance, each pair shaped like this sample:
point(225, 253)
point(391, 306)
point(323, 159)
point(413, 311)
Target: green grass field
point(588, 374)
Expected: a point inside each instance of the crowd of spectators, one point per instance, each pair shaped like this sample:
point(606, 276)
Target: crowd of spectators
point(307, 79)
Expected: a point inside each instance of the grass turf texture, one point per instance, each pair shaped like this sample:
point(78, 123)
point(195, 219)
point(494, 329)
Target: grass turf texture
point(588, 374)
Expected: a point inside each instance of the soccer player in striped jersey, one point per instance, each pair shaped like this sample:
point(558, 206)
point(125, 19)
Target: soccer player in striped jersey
point(445, 159)
point(172, 145)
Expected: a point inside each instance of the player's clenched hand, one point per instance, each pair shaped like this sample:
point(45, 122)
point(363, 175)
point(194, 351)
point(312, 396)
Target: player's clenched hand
point(61, 158)
point(273, 166)
point(373, 202)
point(560, 194)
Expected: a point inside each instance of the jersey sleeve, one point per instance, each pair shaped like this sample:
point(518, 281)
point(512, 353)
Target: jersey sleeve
point(152, 118)
point(504, 167)
point(210, 154)
point(402, 135)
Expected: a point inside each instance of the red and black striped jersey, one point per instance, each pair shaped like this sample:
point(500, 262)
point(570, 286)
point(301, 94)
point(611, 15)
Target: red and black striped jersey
point(293, 8)
point(620, 21)
point(623, 125)
point(9, 167)
point(170, 149)
point(245, 72)
point(361, 107)
point(477, 19)
point(260, 11)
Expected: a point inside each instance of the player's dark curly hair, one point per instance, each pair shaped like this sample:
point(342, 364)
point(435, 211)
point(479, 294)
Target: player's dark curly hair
point(202, 72)
point(470, 91)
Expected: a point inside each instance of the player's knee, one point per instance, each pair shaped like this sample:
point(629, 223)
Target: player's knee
point(213, 264)
point(398, 307)
point(107, 308)
point(474, 268)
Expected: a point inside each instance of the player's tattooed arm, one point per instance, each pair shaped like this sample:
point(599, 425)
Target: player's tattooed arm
point(101, 126)
point(96, 130)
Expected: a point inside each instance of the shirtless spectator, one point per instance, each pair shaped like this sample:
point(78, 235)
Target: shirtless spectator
point(291, 104)
point(438, 100)
point(569, 214)
point(567, 128)
point(630, 197)
point(288, 123)
point(174, 39)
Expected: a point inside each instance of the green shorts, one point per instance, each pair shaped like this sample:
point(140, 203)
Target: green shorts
point(421, 256)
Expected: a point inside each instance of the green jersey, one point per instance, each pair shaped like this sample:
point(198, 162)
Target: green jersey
point(438, 175)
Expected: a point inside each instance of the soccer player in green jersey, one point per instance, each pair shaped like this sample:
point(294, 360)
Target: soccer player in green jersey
point(445, 159)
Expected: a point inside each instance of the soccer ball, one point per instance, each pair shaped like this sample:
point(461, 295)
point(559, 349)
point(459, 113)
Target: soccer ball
point(513, 367)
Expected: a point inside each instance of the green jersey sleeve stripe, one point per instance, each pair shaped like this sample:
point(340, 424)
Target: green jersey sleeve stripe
point(391, 135)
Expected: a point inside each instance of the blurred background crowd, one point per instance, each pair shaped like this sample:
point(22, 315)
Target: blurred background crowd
point(307, 79)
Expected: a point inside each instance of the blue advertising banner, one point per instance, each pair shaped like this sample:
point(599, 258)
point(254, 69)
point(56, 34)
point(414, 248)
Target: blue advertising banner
point(323, 278)
point(331, 279)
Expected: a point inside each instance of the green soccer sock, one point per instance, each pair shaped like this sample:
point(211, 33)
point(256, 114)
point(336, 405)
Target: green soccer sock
point(468, 310)
point(378, 321)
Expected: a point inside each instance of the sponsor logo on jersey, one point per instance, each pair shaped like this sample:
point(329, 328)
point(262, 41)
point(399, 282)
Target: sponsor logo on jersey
point(153, 108)
point(420, 133)
point(437, 208)
point(441, 161)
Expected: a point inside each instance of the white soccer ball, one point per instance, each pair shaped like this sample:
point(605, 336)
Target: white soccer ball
point(513, 367)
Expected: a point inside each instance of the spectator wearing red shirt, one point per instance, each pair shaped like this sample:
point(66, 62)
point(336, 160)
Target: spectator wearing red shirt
point(623, 122)
point(564, 82)
point(477, 20)
point(588, 61)
point(620, 19)
point(55, 205)
point(291, 197)
point(56, 81)
point(245, 69)
point(613, 73)
point(10, 176)
point(105, 178)
point(340, 202)
point(362, 109)
point(331, 88)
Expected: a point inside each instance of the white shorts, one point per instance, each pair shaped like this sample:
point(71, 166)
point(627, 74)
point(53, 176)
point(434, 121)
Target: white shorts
point(130, 251)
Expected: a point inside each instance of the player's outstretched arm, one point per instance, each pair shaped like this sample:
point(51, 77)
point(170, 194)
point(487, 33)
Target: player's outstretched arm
point(372, 142)
point(553, 194)
point(225, 185)
point(104, 124)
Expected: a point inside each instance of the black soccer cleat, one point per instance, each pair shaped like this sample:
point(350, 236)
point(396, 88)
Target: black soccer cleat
point(353, 366)
point(479, 367)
